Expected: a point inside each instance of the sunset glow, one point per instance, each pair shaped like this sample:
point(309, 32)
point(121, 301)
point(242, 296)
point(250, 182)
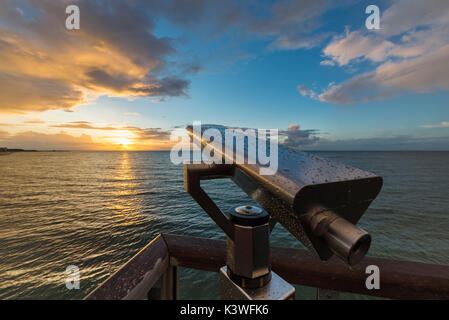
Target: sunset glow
point(137, 70)
point(123, 142)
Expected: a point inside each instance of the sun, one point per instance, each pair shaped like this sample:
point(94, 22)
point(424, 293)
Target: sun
point(124, 142)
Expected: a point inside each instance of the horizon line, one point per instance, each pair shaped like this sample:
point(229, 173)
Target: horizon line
point(316, 150)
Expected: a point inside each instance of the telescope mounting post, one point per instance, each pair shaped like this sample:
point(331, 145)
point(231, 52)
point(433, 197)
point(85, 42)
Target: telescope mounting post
point(247, 274)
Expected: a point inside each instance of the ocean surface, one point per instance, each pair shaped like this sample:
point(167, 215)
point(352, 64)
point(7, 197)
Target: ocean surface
point(96, 210)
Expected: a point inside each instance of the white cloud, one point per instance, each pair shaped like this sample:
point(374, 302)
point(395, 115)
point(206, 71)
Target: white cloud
point(444, 124)
point(327, 63)
point(353, 45)
point(410, 53)
point(424, 74)
point(306, 92)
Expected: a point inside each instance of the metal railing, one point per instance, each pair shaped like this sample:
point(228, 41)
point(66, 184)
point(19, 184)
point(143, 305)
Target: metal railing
point(152, 273)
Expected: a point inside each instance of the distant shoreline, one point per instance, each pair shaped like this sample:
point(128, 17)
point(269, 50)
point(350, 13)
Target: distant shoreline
point(7, 151)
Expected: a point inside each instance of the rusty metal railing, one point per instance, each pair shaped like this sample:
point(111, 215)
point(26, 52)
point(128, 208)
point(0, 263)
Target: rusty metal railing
point(148, 274)
point(152, 272)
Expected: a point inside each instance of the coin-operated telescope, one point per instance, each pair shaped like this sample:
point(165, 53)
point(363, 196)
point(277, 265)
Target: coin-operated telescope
point(317, 200)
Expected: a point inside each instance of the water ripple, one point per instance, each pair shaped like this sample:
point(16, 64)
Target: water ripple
point(96, 210)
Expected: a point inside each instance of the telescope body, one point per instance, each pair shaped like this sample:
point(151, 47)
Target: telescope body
point(317, 200)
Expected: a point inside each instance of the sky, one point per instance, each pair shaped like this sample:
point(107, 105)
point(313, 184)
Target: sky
point(137, 70)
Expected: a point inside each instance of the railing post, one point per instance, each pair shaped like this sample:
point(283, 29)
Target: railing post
point(166, 288)
point(135, 279)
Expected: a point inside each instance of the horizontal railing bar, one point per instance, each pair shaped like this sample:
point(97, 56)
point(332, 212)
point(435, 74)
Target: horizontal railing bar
point(398, 279)
point(134, 280)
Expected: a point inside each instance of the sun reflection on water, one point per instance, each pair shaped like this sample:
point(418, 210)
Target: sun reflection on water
point(125, 209)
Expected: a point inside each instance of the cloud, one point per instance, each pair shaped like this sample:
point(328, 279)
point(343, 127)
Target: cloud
point(42, 141)
point(420, 25)
point(423, 75)
point(313, 140)
point(149, 134)
point(306, 92)
point(344, 49)
point(135, 138)
point(34, 121)
point(294, 137)
point(410, 54)
point(160, 100)
point(394, 143)
point(290, 23)
point(118, 52)
point(82, 125)
point(192, 67)
point(25, 93)
point(287, 24)
point(138, 134)
point(444, 124)
point(295, 42)
point(3, 135)
point(327, 63)
point(43, 66)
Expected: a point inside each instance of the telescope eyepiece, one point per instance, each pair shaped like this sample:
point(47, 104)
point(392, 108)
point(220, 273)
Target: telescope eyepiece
point(346, 240)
